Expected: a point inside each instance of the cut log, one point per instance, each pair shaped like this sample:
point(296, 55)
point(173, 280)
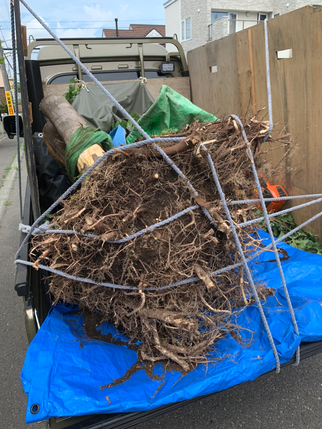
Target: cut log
point(64, 121)
point(62, 115)
point(88, 157)
point(55, 144)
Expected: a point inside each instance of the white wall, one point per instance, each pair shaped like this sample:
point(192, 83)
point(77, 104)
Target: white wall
point(244, 21)
point(248, 21)
point(221, 27)
point(173, 19)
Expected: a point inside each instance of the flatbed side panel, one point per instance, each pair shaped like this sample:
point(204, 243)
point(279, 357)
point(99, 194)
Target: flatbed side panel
point(30, 156)
point(127, 420)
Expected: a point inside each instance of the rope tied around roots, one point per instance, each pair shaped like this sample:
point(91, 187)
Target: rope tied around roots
point(130, 192)
point(81, 140)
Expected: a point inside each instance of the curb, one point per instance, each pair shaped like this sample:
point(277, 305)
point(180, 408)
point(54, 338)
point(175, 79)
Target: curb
point(7, 187)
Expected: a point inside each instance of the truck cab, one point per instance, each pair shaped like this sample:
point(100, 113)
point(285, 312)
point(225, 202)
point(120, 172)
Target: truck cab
point(109, 59)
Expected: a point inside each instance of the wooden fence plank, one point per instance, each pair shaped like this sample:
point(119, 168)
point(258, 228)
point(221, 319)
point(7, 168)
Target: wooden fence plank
point(296, 91)
point(215, 91)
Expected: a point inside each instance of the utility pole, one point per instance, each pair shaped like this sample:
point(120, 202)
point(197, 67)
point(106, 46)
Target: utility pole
point(116, 27)
point(4, 71)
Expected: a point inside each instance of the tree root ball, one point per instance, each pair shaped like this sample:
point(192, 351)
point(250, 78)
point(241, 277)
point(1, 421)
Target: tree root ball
point(129, 192)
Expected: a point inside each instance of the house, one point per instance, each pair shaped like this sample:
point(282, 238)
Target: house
point(137, 30)
point(196, 22)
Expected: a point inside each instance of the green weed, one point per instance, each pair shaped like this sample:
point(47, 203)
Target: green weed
point(304, 240)
point(73, 91)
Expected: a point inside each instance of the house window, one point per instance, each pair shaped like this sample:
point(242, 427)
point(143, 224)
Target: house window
point(183, 30)
point(262, 16)
point(186, 29)
point(217, 15)
point(276, 15)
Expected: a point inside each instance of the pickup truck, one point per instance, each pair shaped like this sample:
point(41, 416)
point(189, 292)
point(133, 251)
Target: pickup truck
point(110, 60)
point(157, 61)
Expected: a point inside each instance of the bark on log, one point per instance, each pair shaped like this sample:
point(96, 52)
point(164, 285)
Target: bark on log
point(62, 115)
point(55, 144)
point(64, 122)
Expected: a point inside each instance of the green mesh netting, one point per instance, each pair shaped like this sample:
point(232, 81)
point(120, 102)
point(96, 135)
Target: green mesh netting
point(81, 140)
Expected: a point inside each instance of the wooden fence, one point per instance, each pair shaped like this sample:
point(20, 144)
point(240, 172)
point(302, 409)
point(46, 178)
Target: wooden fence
point(228, 76)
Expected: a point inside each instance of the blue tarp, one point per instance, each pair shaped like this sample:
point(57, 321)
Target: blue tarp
point(65, 372)
point(118, 135)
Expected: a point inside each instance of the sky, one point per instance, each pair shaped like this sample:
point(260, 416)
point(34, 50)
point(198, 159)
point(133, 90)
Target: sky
point(70, 18)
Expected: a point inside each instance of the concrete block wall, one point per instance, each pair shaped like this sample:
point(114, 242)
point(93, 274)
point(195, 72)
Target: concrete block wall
point(281, 7)
point(200, 13)
point(220, 28)
point(235, 5)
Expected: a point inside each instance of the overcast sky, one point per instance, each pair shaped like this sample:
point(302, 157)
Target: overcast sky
point(82, 18)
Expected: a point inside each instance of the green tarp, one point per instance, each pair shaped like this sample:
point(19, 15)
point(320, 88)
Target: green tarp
point(170, 110)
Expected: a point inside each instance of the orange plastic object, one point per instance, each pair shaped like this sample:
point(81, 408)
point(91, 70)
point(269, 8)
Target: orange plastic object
point(273, 191)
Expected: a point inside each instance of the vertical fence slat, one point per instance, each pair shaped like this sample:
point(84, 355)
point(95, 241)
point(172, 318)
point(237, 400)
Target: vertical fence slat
point(239, 87)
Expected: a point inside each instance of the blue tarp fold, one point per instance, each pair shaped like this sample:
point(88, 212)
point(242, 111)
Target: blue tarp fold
point(65, 372)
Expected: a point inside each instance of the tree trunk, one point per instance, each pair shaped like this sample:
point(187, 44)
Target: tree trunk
point(88, 157)
point(62, 115)
point(64, 122)
point(55, 144)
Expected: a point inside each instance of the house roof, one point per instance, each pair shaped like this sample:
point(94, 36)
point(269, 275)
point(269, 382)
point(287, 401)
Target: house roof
point(136, 30)
point(168, 2)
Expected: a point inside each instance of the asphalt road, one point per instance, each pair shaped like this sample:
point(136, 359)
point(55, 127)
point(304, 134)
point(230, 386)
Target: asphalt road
point(291, 399)
point(14, 342)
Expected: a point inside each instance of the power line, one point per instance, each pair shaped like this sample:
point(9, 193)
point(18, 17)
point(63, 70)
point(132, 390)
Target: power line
point(73, 28)
point(112, 21)
point(5, 56)
point(8, 62)
point(4, 40)
point(6, 6)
